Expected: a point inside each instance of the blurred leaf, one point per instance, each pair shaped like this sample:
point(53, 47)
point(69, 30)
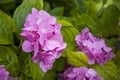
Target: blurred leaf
point(69, 33)
point(8, 21)
point(36, 71)
point(57, 11)
point(77, 59)
point(6, 36)
point(79, 5)
point(9, 59)
point(109, 21)
point(84, 20)
point(108, 71)
point(24, 9)
point(46, 6)
point(117, 61)
point(64, 23)
point(90, 7)
point(117, 3)
point(5, 1)
point(59, 64)
point(49, 75)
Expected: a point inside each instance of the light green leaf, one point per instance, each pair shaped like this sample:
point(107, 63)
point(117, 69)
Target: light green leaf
point(108, 71)
point(69, 33)
point(77, 59)
point(6, 36)
point(64, 22)
point(24, 9)
point(9, 59)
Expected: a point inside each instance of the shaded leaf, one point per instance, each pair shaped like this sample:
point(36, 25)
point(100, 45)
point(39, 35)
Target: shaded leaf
point(108, 71)
point(9, 59)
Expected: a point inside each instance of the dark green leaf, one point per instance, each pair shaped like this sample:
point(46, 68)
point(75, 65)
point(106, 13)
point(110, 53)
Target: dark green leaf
point(36, 71)
point(6, 36)
point(57, 11)
point(8, 21)
point(24, 9)
point(5, 1)
point(9, 59)
point(109, 21)
point(77, 59)
point(108, 71)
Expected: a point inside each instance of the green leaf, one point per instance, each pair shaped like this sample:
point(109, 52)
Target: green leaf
point(79, 5)
point(117, 3)
point(64, 22)
point(77, 59)
point(5, 1)
point(117, 61)
point(46, 6)
point(109, 21)
point(23, 10)
point(108, 71)
point(6, 36)
point(9, 59)
point(49, 75)
point(36, 71)
point(8, 21)
point(69, 33)
point(59, 64)
point(57, 11)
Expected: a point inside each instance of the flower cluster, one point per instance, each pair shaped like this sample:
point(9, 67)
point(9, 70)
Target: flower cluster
point(3, 73)
point(42, 35)
point(81, 73)
point(95, 48)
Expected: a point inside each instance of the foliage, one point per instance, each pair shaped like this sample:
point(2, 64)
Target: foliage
point(102, 17)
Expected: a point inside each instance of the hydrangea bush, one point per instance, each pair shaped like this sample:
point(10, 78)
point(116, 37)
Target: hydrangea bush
point(60, 40)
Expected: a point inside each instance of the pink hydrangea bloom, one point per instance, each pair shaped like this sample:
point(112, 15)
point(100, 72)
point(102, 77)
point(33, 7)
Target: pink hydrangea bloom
point(82, 73)
point(95, 48)
point(3, 73)
point(43, 36)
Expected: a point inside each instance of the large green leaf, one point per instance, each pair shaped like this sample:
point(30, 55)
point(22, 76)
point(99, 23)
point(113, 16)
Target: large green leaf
point(69, 33)
point(9, 59)
point(109, 21)
point(108, 71)
point(77, 59)
point(6, 36)
point(24, 9)
point(8, 21)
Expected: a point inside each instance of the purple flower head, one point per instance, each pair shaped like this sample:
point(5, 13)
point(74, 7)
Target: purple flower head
point(43, 36)
point(3, 73)
point(82, 73)
point(95, 48)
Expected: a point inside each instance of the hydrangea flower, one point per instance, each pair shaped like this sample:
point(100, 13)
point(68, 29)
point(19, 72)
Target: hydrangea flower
point(80, 73)
point(95, 48)
point(3, 73)
point(43, 36)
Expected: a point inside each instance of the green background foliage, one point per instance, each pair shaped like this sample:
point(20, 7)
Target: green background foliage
point(102, 17)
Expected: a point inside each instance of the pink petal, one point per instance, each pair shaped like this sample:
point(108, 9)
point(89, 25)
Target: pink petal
point(27, 46)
